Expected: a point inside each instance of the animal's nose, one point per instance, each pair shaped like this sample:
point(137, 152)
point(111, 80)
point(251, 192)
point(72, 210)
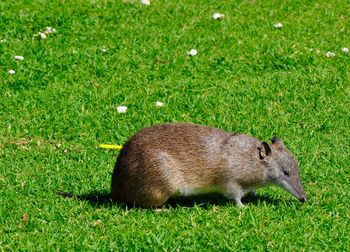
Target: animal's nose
point(302, 199)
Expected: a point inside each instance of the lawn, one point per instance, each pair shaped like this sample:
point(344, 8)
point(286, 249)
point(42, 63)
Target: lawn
point(247, 76)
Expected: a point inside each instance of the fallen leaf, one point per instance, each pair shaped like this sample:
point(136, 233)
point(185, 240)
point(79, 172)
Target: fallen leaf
point(25, 218)
point(97, 223)
point(22, 142)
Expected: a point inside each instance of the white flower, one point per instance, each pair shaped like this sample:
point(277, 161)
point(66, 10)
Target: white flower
point(159, 104)
point(345, 50)
point(103, 49)
point(278, 25)
point(145, 2)
point(42, 35)
point(121, 109)
point(11, 71)
point(3, 40)
point(50, 30)
point(218, 16)
point(192, 52)
point(19, 57)
point(330, 54)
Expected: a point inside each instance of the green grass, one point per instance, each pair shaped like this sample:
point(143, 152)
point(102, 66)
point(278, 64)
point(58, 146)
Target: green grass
point(247, 77)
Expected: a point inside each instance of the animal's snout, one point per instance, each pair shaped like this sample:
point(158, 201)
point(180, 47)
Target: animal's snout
point(302, 199)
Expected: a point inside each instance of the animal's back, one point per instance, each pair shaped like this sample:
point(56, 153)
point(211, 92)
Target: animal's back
point(173, 137)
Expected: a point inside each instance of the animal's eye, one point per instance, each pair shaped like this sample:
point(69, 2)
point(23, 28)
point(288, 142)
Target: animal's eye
point(286, 172)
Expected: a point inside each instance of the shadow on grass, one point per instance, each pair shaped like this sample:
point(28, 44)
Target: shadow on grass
point(102, 199)
point(95, 198)
point(207, 201)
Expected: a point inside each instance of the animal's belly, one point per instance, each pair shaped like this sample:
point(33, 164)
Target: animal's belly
point(188, 190)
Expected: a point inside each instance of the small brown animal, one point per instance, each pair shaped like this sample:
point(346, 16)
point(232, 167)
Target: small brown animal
point(181, 159)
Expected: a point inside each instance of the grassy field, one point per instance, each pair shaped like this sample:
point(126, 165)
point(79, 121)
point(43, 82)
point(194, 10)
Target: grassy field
point(248, 76)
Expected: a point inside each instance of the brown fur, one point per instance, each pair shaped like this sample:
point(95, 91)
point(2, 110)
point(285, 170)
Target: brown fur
point(169, 160)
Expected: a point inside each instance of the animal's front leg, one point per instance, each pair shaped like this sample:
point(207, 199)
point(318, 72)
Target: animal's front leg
point(235, 193)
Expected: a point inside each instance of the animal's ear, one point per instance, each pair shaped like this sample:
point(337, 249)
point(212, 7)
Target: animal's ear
point(264, 150)
point(277, 140)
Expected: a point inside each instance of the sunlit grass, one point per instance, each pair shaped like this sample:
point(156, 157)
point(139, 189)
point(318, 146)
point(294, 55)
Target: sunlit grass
point(247, 76)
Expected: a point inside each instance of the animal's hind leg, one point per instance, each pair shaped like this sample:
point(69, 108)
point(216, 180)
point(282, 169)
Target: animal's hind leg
point(154, 198)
